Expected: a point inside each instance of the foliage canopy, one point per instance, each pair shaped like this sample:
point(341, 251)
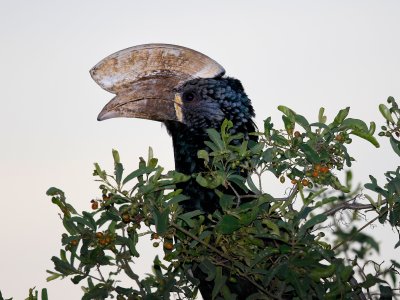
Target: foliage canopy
point(280, 245)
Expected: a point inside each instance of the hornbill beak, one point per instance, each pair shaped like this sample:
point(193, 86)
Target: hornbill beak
point(146, 78)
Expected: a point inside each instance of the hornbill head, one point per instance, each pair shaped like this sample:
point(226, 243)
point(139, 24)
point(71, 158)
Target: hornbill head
point(171, 84)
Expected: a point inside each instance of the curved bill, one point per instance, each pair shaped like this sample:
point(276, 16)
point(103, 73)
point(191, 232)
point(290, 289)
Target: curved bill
point(144, 78)
point(151, 99)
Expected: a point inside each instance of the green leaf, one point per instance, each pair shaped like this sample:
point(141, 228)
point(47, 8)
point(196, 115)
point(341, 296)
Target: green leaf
point(395, 145)
point(203, 154)
point(179, 177)
point(215, 138)
point(302, 121)
point(268, 155)
point(208, 268)
point(369, 282)
point(226, 201)
point(123, 291)
point(53, 276)
point(218, 283)
point(102, 174)
point(268, 127)
point(132, 241)
point(289, 124)
point(89, 217)
point(341, 116)
point(202, 236)
point(63, 267)
point(311, 223)
point(118, 170)
point(386, 113)
point(311, 155)
point(161, 220)
point(271, 225)
point(252, 186)
point(187, 217)
point(177, 199)
point(335, 183)
point(152, 163)
point(263, 255)
point(239, 181)
point(372, 127)
point(366, 136)
point(83, 221)
point(150, 154)
point(386, 292)
point(321, 117)
point(44, 294)
point(226, 125)
point(116, 157)
point(299, 287)
point(78, 278)
point(211, 180)
point(280, 139)
point(137, 173)
point(53, 191)
point(346, 273)
point(287, 111)
point(355, 124)
point(257, 148)
point(228, 224)
point(98, 292)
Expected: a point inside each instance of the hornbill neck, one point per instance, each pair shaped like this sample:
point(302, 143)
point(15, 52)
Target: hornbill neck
point(186, 142)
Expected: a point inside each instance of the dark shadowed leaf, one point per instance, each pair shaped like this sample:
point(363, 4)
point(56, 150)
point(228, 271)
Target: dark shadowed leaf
point(395, 145)
point(208, 268)
point(218, 283)
point(99, 291)
point(119, 169)
point(228, 224)
point(311, 223)
point(386, 292)
point(187, 217)
point(83, 221)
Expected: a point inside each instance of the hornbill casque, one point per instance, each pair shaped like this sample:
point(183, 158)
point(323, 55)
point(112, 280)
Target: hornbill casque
point(188, 92)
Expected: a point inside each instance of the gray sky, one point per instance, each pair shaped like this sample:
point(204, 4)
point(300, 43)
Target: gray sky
point(302, 54)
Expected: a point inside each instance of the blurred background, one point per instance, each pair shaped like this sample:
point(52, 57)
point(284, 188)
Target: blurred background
point(302, 54)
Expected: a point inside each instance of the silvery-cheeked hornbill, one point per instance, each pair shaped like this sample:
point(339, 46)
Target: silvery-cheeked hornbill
point(188, 92)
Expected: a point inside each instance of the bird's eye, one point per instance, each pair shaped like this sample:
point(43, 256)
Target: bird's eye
point(188, 96)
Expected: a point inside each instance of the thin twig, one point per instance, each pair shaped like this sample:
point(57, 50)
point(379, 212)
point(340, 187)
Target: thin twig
point(293, 193)
point(99, 271)
point(358, 231)
point(354, 206)
point(235, 192)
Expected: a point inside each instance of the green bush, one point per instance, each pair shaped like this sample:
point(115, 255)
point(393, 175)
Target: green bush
point(276, 244)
